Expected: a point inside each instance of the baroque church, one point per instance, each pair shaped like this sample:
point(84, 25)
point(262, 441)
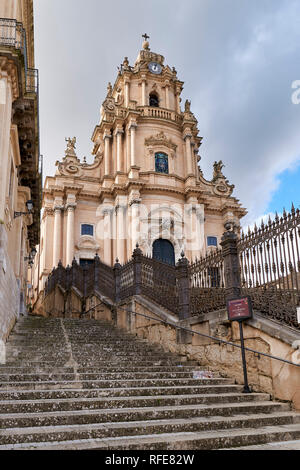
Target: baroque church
point(145, 185)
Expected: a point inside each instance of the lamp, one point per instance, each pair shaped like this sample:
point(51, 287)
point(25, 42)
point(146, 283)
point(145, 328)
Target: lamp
point(29, 206)
point(31, 256)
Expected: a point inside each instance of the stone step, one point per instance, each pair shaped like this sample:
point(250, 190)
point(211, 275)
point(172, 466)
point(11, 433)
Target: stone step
point(93, 372)
point(202, 440)
point(119, 392)
point(97, 364)
point(87, 384)
point(281, 445)
point(86, 416)
point(139, 428)
point(64, 404)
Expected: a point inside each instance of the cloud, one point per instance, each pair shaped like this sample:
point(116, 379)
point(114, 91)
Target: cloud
point(238, 60)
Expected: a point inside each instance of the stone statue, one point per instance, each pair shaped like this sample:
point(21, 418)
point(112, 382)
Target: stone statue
point(187, 106)
point(71, 143)
point(218, 170)
point(109, 89)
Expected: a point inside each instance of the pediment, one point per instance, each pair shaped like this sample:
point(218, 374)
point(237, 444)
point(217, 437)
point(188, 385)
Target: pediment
point(160, 139)
point(87, 242)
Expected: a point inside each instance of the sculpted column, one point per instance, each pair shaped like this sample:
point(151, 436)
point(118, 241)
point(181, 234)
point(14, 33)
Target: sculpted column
point(70, 232)
point(133, 166)
point(106, 138)
point(144, 99)
point(167, 95)
point(127, 97)
point(189, 165)
point(107, 235)
point(57, 242)
point(119, 132)
point(132, 144)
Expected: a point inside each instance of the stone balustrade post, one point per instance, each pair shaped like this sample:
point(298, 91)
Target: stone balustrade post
point(231, 264)
point(117, 273)
point(96, 271)
point(183, 286)
point(137, 270)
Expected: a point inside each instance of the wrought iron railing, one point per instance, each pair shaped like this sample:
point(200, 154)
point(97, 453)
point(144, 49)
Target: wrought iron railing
point(13, 34)
point(263, 264)
point(269, 258)
point(207, 283)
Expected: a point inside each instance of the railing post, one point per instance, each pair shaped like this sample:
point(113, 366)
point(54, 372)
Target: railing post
point(231, 264)
point(117, 273)
point(96, 271)
point(183, 285)
point(137, 270)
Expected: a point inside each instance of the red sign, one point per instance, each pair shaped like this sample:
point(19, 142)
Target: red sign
point(239, 309)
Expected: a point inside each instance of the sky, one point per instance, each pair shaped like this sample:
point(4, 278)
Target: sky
point(239, 60)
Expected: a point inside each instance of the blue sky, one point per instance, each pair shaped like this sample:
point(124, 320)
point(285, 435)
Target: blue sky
point(238, 60)
point(288, 191)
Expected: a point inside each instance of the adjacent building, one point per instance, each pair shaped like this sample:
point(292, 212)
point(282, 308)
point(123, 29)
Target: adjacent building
point(20, 182)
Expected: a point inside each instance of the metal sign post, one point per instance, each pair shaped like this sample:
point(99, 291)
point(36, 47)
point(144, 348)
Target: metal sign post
point(240, 309)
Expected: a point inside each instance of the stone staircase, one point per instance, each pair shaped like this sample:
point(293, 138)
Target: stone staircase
point(83, 384)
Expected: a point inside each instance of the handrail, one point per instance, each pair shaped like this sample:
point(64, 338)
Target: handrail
point(179, 327)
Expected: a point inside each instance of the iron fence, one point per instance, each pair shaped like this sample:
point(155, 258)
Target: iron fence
point(270, 266)
point(207, 283)
point(263, 264)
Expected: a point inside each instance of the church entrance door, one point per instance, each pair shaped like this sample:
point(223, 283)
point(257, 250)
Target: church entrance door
point(163, 250)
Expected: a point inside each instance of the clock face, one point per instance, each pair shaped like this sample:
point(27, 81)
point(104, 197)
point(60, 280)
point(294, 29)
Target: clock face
point(154, 67)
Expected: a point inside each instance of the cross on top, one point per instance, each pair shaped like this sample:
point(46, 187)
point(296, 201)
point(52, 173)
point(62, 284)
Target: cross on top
point(145, 36)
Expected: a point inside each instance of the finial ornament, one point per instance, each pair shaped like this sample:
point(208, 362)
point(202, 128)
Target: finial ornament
point(146, 42)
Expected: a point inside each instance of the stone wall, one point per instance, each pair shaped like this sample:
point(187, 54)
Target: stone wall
point(281, 380)
point(9, 289)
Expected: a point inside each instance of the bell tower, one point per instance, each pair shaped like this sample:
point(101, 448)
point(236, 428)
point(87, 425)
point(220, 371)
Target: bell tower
point(142, 131)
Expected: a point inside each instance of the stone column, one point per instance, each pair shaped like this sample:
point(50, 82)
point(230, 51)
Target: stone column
point(135, 223)
point(106, 138)
point(6, 99)
point(189, 163)
point(178, 110)
point(70, 233)
point(144, 99)
point(107, 236)
point(118, 134)
point(57, 235)
point(127, 94)
point(120, 229)
point(167, 96)
point(132, 144)
point(231, 265)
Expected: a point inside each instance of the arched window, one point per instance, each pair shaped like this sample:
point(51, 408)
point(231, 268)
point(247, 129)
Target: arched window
point(153, 100)
point(161, 162)
point(163, 250)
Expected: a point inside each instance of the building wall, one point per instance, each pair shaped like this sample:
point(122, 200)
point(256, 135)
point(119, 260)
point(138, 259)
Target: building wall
point(14, 243)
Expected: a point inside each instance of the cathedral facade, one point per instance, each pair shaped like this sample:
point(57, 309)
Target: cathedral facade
point(144, 186)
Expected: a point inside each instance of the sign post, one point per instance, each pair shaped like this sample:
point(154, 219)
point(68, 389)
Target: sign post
point(240, 309)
